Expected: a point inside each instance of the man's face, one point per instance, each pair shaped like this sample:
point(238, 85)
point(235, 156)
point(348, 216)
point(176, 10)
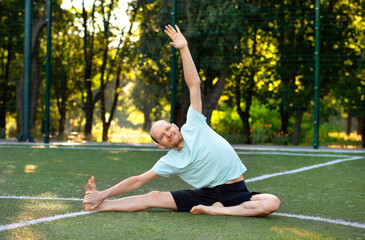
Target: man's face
point(167, 135)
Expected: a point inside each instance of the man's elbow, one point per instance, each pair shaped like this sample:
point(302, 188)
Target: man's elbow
point(136, 182)
point(195, 85)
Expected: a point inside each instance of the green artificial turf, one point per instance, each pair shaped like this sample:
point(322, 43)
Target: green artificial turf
point(334, 192)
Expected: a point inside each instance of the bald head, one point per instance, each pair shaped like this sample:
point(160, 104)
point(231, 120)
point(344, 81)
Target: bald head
point(154, 129)
point(166, 135)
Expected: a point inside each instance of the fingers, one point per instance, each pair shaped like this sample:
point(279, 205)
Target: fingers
point(178, 29)
point(170, 31)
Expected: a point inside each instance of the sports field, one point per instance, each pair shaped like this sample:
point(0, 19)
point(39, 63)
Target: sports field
point(322, 195)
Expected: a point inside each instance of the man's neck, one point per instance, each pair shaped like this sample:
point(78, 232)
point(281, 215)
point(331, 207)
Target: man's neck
point(180, 146)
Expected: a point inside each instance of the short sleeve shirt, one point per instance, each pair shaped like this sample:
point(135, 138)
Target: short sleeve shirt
point(206, 160)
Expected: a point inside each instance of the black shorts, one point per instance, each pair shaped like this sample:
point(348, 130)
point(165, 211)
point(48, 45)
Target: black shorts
point(228, 194)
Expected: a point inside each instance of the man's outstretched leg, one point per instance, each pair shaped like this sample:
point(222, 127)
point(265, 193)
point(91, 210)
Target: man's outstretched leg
point(154, 199)
point(260, 205)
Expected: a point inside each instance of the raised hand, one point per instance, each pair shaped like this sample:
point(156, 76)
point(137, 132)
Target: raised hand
point(178, 40)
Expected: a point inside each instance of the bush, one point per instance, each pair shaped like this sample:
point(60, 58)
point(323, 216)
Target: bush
point(281, 138)
point(261, 133)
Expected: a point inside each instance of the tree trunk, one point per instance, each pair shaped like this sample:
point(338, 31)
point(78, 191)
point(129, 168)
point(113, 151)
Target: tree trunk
point(147, 121)
point(244, 115)
point(114, 105)
point(182, 107)
point(210, 98)
point(360, 124)
point(61, 123)
point(348, 123)
point(4, 96)
point(36, 78)
point(363, 131)
point(89, 104)
point(298, 123)
point(19, 103)
point(62, 93)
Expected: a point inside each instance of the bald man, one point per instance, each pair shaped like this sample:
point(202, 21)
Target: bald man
point(198, 155)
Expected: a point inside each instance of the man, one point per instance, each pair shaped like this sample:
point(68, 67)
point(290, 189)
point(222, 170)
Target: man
point(198, 155)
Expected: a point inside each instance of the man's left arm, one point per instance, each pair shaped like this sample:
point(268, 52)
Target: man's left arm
point(191, 75)
point(128, 185)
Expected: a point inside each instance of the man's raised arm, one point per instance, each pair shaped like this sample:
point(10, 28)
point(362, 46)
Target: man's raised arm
point(191, 75)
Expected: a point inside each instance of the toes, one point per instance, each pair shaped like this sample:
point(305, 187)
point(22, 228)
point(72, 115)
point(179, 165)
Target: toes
point(90, 186)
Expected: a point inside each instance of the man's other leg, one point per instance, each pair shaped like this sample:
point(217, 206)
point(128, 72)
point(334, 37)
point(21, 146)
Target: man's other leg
point(260, 205)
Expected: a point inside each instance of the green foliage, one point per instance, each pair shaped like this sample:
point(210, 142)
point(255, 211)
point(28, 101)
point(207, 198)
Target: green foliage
point(261, 114)
point(261, 133)
point(226, 121)
point(262, 50)
point(281, 138)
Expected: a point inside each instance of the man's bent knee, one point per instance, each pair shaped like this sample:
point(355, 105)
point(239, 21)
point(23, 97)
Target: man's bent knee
point(269, 203)
point(272, 204)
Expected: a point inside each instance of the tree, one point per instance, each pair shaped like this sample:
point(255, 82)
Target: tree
point(213, 29)
point(11, 30)
point(345, 50)
point(151, 58)
point(97, 34)
point(252, 74)
point(39, 22)
point(66, 60)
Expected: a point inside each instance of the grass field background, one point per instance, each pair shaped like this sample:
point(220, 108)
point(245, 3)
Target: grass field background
point(333, 192)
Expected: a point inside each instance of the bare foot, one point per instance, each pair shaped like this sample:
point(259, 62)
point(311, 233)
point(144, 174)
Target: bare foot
point(202, 209)
point(90, 186)
point(217, 204)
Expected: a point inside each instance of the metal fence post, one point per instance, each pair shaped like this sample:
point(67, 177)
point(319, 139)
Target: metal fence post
point(48, 72)
point(316, 73)
point(173, 68)
point(25, 134)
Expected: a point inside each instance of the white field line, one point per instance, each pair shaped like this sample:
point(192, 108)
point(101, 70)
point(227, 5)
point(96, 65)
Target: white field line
point(4, 144)
point(88, 148)
point(41, 198)
point(41, 220)
point(294, 154)
point(334, 221)
point(266, 176)
point(151, 147)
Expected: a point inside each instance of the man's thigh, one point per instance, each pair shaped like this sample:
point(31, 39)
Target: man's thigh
point(161, 200)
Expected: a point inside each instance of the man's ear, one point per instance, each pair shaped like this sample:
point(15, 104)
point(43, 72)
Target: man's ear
point(160, 146)
point(173, 124)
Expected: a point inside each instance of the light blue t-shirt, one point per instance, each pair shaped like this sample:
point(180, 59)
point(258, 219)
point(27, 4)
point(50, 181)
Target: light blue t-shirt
point(206, 160)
